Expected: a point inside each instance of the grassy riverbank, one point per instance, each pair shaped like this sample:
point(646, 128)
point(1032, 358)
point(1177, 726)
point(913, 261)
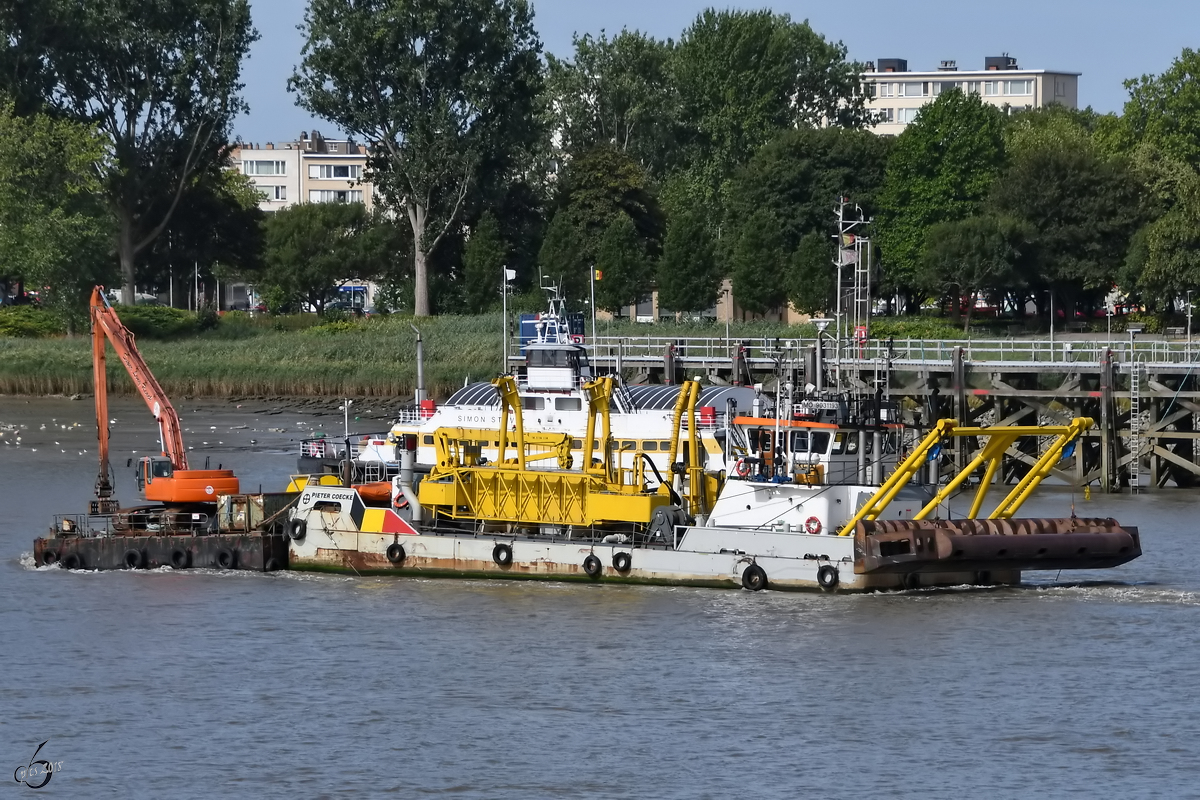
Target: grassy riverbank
point(298, 357)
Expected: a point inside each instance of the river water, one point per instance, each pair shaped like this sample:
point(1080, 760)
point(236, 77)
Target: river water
point(206, 684)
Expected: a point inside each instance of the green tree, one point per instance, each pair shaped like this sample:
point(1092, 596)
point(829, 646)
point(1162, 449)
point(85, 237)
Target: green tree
point(616, 92)
point(55, 231)
point(621, 260)
point(312, 249)
point(441, 88)
point(596, 187)
point(1164, 110)
point(562, 260)
point(800, 174)
point(940, 169)
point(1084, 210)
point(159, 80)
point(812, 275)
point(758, 264)
point(689, 274)
point(743, 76)
point(985, 253)
point(485, 257)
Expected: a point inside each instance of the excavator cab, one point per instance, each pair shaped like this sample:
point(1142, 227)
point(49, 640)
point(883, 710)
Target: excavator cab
point(153, 467)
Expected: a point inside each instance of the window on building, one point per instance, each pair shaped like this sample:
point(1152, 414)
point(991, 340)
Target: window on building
point(885, 90)
point(1018, 87)
point(331, 171)
point(915, 89)
point(334, 196)
point(264, 167)
point(907, 115)
point(887, 114)
point(972, 87)
point(273, 192)
point(944, 86)
point(1060, 87)
point(991, 87)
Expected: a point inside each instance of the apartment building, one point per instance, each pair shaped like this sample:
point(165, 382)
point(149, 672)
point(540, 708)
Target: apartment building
point(897, 94)
point(312, 169)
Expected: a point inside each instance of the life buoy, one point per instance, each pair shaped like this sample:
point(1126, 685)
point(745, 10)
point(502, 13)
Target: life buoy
point(827, 576)
point(134, 558)
point(812, 525)
point(502, 554)
point(622, 561)
point(272, 565)
point(592, 566)
point(226, 558)
point(742, 468)
point(298, 530)
point(395, 553)
point(49, 557)
point(179, 558)
point(754, 578)
point(72, 561)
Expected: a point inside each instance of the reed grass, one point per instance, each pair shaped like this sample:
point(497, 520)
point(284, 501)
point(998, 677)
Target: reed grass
point(300, 358)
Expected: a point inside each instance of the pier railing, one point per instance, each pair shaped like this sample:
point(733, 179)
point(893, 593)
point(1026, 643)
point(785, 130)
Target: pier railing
point(632, 350)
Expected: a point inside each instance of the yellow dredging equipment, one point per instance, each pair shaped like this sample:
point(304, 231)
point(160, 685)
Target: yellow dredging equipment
point(597, 493)
point(999, 439)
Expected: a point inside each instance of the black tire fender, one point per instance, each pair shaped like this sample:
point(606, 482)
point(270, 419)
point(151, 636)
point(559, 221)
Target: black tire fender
point(395, 553)
point(226, 558)
point(592, 566)
point(827, 577)
point(49, 557)
point(298, 530)
point(502, 554)
point(754, 578)
point(622, 561)
point(911, 580)
point(72, 561)
point(272, 565)
point(134, 558)
point(180, 558)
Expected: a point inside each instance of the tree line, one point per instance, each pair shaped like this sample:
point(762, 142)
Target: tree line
point(664, 165)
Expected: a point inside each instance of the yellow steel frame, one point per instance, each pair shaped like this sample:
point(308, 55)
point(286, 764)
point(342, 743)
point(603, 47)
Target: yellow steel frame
point(508, 491)
point(1000, 438)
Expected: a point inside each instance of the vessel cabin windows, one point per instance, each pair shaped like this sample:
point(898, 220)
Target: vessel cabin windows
point(532, 403)
point(427, 439)
point(649, 446)
point(567, 404)
point(665, 446)
point(800, 441)
point(819, 443)
point(628, 444)
point(846, 443)
point(553, 357)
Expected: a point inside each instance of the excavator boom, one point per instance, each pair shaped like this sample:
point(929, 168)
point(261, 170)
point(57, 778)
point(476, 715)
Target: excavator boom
point(173, 482)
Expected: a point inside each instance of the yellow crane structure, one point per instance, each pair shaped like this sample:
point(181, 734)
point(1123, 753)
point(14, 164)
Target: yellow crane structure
point(999, 439)
point(459, 487)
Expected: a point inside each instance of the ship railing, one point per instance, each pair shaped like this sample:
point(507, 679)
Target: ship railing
point(332, 447)
point(95, 526)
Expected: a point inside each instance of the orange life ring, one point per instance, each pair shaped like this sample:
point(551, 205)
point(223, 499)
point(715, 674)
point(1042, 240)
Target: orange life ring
point(742, 468)
point(812, 525)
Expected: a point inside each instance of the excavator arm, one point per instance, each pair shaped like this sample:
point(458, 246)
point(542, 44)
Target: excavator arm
point(106, 323)
point(175, 483)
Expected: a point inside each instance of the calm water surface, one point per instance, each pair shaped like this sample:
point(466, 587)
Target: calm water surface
point(202, 684)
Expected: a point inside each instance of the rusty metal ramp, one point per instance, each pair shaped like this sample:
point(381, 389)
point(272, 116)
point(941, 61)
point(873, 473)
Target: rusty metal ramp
point(925, 545)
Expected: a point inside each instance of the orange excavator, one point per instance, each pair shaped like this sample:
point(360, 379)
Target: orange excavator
point(165, 478)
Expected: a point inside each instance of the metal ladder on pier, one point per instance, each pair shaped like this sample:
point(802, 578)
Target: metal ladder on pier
point(1135, 425)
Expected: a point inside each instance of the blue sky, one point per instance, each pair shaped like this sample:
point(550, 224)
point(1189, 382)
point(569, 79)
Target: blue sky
point(1107, 40)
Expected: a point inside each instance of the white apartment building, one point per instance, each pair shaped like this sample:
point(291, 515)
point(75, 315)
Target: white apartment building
point(312, 169)
point(897, 94)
